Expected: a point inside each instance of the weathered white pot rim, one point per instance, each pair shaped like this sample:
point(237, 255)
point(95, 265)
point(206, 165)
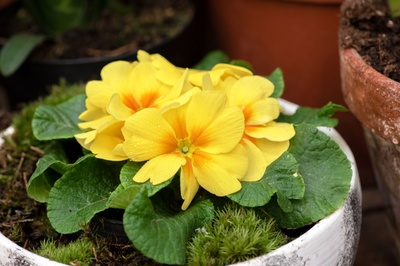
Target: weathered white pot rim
point(291, 254)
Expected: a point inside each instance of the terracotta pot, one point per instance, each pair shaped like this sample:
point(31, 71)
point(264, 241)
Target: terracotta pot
point(300, 37)
point(375, 101)
point(331, 241)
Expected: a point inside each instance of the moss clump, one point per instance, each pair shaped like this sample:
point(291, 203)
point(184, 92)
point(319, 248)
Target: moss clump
point(236, 234)
point(78, 252)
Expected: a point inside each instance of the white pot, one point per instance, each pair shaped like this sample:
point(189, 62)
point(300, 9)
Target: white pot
point(332, 241)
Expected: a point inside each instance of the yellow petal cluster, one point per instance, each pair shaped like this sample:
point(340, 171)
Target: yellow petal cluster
point(216, 128)
point(201, 138)
point(124, 89)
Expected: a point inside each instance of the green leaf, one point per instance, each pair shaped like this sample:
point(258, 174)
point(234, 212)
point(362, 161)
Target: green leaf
point(326, 172)
point(16, 50)
point(314, 116)
point(281, 177)
point(276, 77)
point(48, 170)
point(80, 193)
point(211, 59)
point(121, 197)
point(160, 235)
point(58, 121)
point(128, 189)
point(128, 171)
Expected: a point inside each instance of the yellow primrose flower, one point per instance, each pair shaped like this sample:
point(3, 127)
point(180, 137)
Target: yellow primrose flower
point(201, 138)
point(126, 88)
point(263, 137)
point(219, 74)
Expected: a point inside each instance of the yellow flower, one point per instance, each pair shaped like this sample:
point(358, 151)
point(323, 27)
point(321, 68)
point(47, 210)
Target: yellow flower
point(263, 137)
point(201, 138)
point(126, 88)
point(219, 74)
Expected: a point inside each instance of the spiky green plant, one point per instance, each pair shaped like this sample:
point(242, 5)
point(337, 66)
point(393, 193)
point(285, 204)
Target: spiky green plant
point(236, 234)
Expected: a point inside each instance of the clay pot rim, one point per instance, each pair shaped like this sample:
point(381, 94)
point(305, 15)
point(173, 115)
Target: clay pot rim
point(376, 108)
point(358, 64)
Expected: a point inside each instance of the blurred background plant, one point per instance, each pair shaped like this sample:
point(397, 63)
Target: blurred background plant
point(42, 42)
point(54, 17)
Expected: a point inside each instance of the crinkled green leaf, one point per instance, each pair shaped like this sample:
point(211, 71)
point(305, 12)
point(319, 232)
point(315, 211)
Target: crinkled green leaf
point(16, 50)
point(81, 192)
point(326, 172)
point(48, 170)
point(281, 177)
point(162, 235)
point(314, 116)
point(276, 77)
point(121, 196)
point(58, 121)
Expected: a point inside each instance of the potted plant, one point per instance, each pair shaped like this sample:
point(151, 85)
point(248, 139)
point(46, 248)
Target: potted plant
point(371, 88)
point(44, 41)
point(172, 149)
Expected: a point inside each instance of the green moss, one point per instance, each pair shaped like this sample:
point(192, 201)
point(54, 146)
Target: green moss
point(78, 252)
point(236, 234)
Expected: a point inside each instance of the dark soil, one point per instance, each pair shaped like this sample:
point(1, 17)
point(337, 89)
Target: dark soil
point(368, 27)
point(139, 25)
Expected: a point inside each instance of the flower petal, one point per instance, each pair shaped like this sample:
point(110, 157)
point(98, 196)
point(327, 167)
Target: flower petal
point(99, 93)
point(249, 90)
point(271, 150)
point(212, 126)
point(219, 173)
point(273, 131)
point(117, 108)
point(106, 141)
point(92, 112)
point(95, 124)
point(257, 163)
point(85, 139)
point(146, 88)
point(189, 185)
point(116, 73)
point(150, 135)
point(262, 111)
point(232, 70)
point(160, 168)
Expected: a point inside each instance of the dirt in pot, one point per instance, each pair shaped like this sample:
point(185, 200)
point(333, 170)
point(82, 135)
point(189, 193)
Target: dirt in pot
point(123, 26)
point(368, 27)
